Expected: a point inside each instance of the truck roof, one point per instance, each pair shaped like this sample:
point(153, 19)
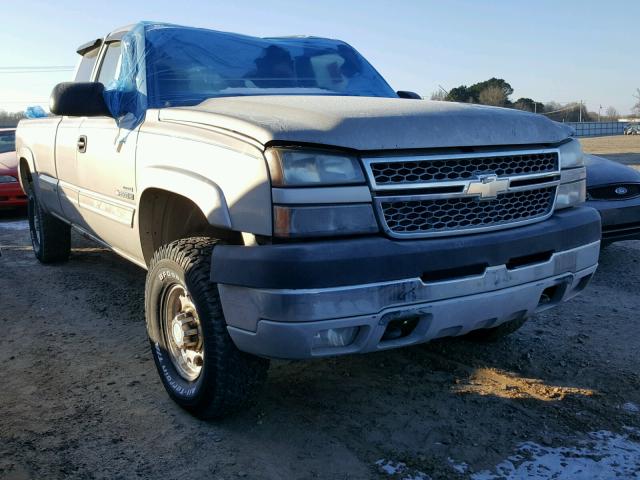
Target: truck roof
point(119, 32)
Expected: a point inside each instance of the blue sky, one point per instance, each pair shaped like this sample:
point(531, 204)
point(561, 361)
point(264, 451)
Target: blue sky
point(562, 50)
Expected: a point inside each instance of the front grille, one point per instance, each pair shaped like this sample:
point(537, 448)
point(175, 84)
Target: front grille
point(614, 192)
point(457, 214)
point(389, 173)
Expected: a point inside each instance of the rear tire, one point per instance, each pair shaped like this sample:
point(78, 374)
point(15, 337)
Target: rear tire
point(495, 334)
point(50, 236)
point(201, 369)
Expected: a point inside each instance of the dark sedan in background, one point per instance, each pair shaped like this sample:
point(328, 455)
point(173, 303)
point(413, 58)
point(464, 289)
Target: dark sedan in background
point(614, 190)
point(11, 195)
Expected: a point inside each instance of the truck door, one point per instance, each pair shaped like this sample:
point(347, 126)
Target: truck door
point(106, 169)
point(66, 142)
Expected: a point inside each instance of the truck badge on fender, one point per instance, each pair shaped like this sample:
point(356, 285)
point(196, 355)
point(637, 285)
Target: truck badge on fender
point(125, 193)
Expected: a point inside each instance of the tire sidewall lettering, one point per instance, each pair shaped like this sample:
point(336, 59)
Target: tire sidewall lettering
point(163, 277)
point(168, 376)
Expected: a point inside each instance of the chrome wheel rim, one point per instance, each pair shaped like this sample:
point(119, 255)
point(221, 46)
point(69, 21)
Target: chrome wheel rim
point(182, 332)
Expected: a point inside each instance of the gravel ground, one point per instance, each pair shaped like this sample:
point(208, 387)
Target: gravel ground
point(80, 396)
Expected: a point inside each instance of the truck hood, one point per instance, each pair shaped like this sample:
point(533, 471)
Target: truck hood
point(601, 171)
point(364, 123)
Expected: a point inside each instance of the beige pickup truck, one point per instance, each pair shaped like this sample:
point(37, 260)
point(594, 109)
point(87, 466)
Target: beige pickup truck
point(287, 203)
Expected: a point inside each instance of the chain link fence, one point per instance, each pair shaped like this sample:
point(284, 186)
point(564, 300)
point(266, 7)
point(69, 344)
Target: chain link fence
point(597, 129)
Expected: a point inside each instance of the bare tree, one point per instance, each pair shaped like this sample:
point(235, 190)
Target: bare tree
point(636, 107)
point(439, 95)
point(10, 119)
point(493, 95)
point(612, 114)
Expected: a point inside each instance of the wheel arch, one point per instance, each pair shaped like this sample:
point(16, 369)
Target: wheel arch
point(203, 192)
point(26, 168)
point(165, 215)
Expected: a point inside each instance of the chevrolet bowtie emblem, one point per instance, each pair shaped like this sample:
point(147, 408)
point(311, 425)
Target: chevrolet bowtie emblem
point(487, 186)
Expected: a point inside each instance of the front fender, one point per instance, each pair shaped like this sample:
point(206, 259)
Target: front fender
point(205, 193)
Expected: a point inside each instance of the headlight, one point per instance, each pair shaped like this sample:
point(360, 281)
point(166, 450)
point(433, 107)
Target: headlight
point(571, 154)
point(572, 190)
point(8, 179)
point(296, 167)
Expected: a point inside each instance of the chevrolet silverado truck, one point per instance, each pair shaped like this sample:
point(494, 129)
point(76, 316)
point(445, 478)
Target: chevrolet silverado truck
point(287, 203)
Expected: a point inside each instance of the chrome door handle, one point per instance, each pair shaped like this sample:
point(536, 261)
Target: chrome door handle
point(82, 144)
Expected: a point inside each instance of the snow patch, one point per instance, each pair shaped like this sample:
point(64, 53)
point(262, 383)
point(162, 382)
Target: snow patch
point(458, 467)
point(15, 225)
point(602, 455)
point(631, 407)
point(400, 470)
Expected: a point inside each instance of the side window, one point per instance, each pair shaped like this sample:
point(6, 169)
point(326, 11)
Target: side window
point(110, 64)
point(85, 67)
point(7, 141)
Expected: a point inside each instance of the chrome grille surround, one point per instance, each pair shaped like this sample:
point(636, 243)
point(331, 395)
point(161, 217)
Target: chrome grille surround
point(487, 191)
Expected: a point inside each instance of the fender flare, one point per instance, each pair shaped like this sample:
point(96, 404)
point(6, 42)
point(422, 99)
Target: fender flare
point(205, 193)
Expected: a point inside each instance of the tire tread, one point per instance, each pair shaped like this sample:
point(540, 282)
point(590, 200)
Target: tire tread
point(54, 238)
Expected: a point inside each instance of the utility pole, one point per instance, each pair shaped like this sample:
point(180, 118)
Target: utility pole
point(580, 112)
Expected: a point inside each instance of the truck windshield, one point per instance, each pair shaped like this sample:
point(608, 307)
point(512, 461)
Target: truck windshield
point(185, 66)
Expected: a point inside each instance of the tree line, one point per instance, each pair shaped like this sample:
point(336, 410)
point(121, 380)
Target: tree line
point(10, 119)
point(496, 92)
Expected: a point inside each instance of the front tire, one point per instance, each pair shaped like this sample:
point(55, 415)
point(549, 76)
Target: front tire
point(50, 236)
point(200, 367)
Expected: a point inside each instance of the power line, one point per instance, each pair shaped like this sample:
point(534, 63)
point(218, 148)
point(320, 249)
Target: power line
point(32, 72)
point(36, 67)
point(28, 70)
point(570, 107)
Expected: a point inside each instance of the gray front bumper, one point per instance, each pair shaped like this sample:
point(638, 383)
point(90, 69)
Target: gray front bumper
point(282, 323)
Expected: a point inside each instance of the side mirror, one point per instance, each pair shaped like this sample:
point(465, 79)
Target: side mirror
point(79, 99)
point(407, 94)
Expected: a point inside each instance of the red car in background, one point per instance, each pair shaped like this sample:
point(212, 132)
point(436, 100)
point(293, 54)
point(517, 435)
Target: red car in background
point(11, 194)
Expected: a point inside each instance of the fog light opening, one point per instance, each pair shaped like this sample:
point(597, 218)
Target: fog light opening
point(400, 328)
point(335, 337)
point(550, 295)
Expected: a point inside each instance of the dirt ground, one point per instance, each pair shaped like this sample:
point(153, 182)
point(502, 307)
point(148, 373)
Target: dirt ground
point(80, 397)
point(621, 148)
